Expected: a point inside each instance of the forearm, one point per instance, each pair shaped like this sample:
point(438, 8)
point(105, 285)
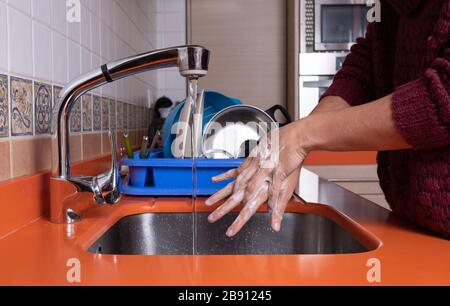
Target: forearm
point(366, 127)
point(330, 104)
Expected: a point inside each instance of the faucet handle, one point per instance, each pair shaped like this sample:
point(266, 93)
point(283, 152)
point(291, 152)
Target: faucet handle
point(106, 185)
point(113, 195)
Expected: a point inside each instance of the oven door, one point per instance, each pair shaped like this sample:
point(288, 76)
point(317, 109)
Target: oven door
point(311, 89)
point(338, 23)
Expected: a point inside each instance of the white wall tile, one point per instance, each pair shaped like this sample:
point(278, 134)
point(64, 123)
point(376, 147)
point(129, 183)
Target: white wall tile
point(111, 45)
point(174, 80)
point(107, 90)
point(73, 31)
point(171, 31)
point(95, 34)
point(125, 6)
point(38, 42)
point(42, 11)
point(86, 3)
point(174, 6)
point(59, 58)
point(3, 38)
point(149, 6)
point(22, 5)
point(121, 26)
point(161, 40)
point(85, 28)
point(42, 59)
point(105, 37)
point(95, 7)
point(106, 11)
point(152, 78)
point(173, 22)
point(20, 43)
point(174, 38)
point(59, 21)
point(74, 59)
point(118, 17)
point(160, 7)
point(121, 85)
point(95, 63)
point(85, 60)
point(161, 80)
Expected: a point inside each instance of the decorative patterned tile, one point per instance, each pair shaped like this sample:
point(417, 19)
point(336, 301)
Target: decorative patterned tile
point(97, 113)
point(125, 115)
point(4, 121)
point(119, 116)
point(75, 117)
point(42, 108)
point(112, 114)
point(105, 114)
point(56, 94)
point(87, 112)
point(21, 107)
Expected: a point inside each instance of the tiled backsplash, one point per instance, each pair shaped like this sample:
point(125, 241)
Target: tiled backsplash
point(25, 125)
point(38, 42)
point(40, 51)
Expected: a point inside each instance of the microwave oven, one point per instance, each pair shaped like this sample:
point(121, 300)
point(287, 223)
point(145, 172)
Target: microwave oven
point(334, 25)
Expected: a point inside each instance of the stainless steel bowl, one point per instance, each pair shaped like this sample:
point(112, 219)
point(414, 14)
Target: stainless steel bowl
point(230, 130)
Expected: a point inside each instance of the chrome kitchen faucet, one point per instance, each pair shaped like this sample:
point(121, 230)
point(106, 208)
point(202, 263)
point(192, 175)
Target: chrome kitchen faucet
point(71, 195)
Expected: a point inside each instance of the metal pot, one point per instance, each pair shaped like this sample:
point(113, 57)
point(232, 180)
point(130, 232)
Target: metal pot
point(234, 131)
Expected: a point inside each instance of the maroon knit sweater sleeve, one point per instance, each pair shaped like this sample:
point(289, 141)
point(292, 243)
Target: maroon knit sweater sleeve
point(421, 108)
point(355, 82)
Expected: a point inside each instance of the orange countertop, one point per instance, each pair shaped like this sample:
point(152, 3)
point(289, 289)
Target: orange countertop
point(38, 253)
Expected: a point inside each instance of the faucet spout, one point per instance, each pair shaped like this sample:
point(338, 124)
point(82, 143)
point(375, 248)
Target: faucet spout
point(192, 62)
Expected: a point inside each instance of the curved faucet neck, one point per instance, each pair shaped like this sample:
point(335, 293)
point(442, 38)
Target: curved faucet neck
point(192, 61)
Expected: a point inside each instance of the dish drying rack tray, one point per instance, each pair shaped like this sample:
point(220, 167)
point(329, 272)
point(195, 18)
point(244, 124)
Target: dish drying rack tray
point(159, 176)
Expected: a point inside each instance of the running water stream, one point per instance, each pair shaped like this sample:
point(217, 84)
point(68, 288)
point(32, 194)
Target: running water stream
point(192, 98)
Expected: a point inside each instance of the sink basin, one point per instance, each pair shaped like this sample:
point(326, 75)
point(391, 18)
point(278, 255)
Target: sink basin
point(172, 234)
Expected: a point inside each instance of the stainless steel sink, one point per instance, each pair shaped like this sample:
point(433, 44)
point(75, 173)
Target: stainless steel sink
point(172, 234)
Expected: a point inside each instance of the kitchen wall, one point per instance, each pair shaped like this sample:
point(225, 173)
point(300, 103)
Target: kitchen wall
point(171, 32)
point(40, 51)
point(247, 40)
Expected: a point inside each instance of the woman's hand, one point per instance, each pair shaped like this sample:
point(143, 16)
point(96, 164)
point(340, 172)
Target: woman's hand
point(270, 174)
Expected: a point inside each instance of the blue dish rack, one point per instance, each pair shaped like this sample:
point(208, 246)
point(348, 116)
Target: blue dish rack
point(159, 176)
